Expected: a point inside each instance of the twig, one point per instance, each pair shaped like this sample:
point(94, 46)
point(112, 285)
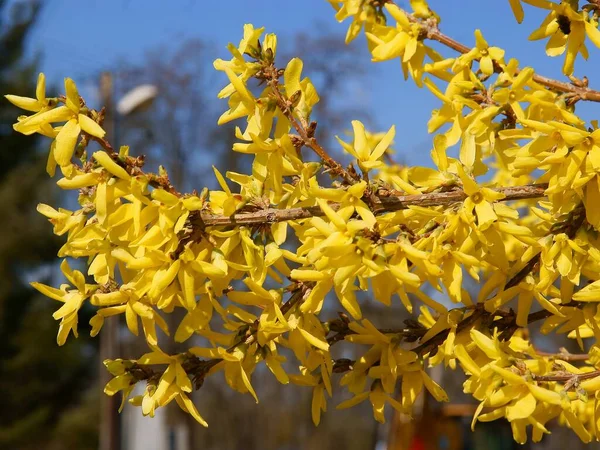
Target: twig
point(520, 276)
point(198, 368)
point(132, 165)
point(432, 32)
point(307, 139)
point(432, 344)
point(507, 324)
point(569, 226)
point(104, 144)
point(408, 334)
point(567, 377)
point(385, 204)
point(564, 355)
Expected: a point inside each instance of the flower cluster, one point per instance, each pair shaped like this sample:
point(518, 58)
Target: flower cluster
point(259, 269)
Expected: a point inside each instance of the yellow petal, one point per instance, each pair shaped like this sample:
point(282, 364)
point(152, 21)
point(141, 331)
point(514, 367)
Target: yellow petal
point(335, 218)
point(79, 181)
point(353, 401)
point(486, 65)
point(522, 408)
point(49, 291)
point(360, 140)
point(383, 145)
point(40, 88)
point(33, 123)
point(187, 405)
point(398, 15)
point(485, 214)
point(545, 395)
point(246, 382)
point(291, 76)
point(592, 202)
point(240, 87)
point(577, 426)
point(485, 344)
point(90, 127)
point(72, 95)
point(164, 278)
point(26, 103)
point(434, 389)
point(312, 340)
point(466, 361)
point(576, 38)
point(517, 9)
point(65, 143)
point(508, 375)
point(593, 33)
point(412, 385)
point(112, 167)
point(348, 300)
point(318, 398)
point(308, 275)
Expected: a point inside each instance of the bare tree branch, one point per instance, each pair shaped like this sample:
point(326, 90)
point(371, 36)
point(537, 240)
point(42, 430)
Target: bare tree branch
point(386, 204)
point(580, 90)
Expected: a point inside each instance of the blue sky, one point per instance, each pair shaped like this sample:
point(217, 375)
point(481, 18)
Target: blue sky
point(80, 38)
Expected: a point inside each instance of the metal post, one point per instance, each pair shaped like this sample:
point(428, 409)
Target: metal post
point(109, 438)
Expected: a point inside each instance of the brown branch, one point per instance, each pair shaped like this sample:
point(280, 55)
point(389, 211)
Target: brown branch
point(507, 324)
point(411, 333)
point(431, 30)
point(198, 368)
point(104, 144)
point(385, 204)
point(521, 274)
point(567, 377)
point(569, 226)
point(132, 165)
point(307, 138)
point(564, 355)
point(433, 343)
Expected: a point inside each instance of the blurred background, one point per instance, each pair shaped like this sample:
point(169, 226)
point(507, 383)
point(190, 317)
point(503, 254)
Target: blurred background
point(50, 396)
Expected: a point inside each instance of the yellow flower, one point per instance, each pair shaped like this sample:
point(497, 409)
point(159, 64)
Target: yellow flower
point(368, 157)
point(516, 93)
point(361, 12)
point(174, 384)
point(123, 380)
point(404, 41)
point(486, 55)
point(351, 201)
point(75, 119)
point(294, 85)
point(39, 103)
point(249, 45)
point(567, 28)
point(480, 199)
point(72, 300)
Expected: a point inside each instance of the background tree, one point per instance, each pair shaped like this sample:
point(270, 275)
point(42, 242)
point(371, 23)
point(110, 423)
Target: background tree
point(41, 386)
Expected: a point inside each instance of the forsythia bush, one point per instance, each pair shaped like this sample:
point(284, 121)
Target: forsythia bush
point(253, 267)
